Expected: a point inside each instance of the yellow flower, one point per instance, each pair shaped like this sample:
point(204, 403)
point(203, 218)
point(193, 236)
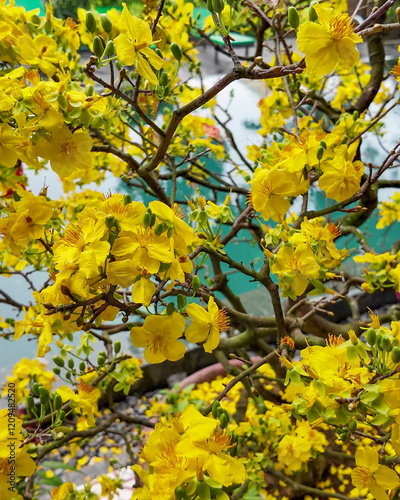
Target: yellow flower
point(23, 465)
point(85, 399)
point(369, 474)
point(8, 142)
point(328, 43)
point(159, 336)
point(341, 176)
point(62, 492)
point(211, 456)
point(66, 151)
point(134, 44)
point(206, 325)
point(32, 213)
point(293, 452)
point(80, 247)
point(270, 190)
point(298, 264)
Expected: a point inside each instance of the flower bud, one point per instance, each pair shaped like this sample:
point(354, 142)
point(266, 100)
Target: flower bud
point(56, 370)
point(181, 301)
point(82, 366)
point(386, 344)
point(58, 361)
point(146, 219)
point(163, 79)
point(395, 354)
point(35, 19)
point(127, 199)
point(89, 90)
point(110, 221)
point(98, 47)
point(44, 396)
point(196, 283)
point(320, 153)
point(106, 23)
point(352, 425)
point(293, 17)
point(35, 389)
point(57, 401)
point(101, 360)
point(159, 229)
point(30, 403)
point(110, 48)
point(117, 346)
point(312, 15)
point(70, 363)
point(170, 308)
point(176, 51)
point(214, 408)
point(180, 492)
point(218, 6)
point(223, 420)
point(210, 6)
point(91, 24)
point(48, 27)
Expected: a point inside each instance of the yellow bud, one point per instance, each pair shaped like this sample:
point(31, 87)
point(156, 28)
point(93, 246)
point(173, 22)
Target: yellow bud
point(286, 363)
point(59, 344)
point(227, 201)
point(330, 276)
point(367, 287)
point(268, 253)
point(284, 236)
point(202, 202)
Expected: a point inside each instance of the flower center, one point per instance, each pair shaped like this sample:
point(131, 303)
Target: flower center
point(218, 442)
point(68, 147)
point(157, 340)
point(293, 263)
point(362, 477)
point(266, 188)
point(223, 321)
point(73, 237)
point(340, 27)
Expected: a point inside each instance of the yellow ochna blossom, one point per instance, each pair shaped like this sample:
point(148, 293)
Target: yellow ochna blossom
point(206, 325)
point(328, 43)
point(133, 46)
point(85, 400)
point(295, 266)
point(66, 151)
point(159, 336)
point(369, 474)
point(270, 189)
point(23, 464)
